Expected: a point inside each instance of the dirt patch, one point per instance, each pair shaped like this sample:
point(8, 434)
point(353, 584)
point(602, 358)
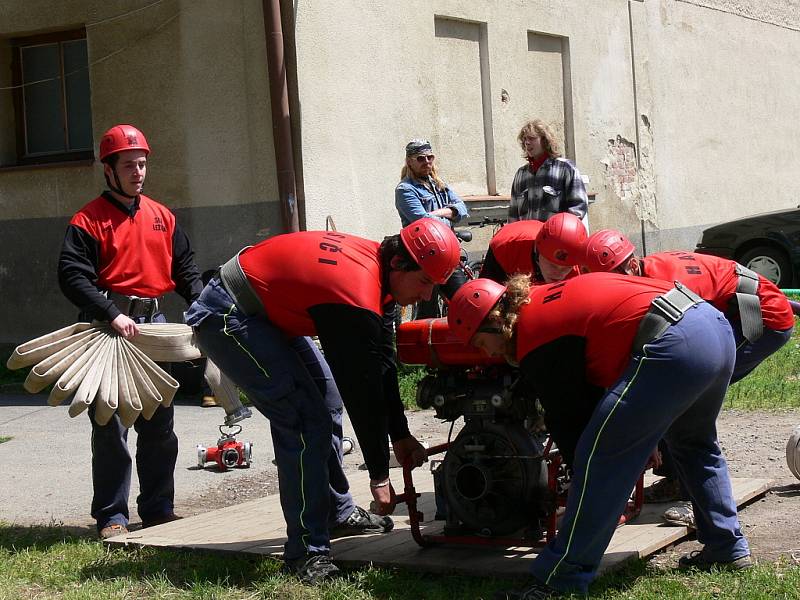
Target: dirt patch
point(755, 446)
point(754, 443)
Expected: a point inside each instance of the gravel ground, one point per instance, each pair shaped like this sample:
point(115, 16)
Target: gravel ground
point(45, 477)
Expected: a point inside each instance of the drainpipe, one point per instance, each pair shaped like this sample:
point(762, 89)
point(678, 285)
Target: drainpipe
point(281, 120)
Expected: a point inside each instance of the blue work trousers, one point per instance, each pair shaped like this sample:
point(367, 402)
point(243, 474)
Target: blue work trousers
point(673, 389)
point(290, 383)
point(749, 356)
point(156, 454)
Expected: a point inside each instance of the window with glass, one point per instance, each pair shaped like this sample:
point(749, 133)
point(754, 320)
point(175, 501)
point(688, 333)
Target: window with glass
point(52, 98)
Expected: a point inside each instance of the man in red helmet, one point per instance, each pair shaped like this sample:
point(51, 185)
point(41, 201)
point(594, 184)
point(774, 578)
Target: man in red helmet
point(548, 251)
point(759, 313)
point(664, 358)
point(121, 253)
point(254, 320)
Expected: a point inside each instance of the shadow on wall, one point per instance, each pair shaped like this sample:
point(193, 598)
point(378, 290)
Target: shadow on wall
point(31, 303)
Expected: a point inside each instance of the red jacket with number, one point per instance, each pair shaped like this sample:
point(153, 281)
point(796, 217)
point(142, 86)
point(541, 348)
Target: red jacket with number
point(715, 280)
point(293, 272)
point(604, 309)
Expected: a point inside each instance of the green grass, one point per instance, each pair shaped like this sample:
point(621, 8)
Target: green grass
point(773, 385)
point(408, 377)
point(5, 438)
point(53, 562)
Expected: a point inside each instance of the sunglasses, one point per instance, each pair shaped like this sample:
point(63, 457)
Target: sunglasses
point(424, 158)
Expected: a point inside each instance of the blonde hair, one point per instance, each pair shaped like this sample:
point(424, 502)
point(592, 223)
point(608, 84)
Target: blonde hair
point(505, 313)
point(407, 172)
point(540, 129)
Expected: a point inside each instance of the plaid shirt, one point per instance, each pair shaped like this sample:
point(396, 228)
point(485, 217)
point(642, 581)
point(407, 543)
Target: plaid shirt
point(531, 201)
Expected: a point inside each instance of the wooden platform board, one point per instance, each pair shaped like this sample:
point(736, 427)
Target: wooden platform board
point(257, 527)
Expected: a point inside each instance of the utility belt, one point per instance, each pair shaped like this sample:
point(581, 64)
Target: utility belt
point(665, 310)
point(134, 306)
point(238, 287)
point(749, 304)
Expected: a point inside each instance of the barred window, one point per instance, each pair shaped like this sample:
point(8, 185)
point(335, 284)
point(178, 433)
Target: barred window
point(52, 97)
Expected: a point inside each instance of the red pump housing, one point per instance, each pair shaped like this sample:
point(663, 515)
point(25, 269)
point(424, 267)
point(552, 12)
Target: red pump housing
point(430, 342)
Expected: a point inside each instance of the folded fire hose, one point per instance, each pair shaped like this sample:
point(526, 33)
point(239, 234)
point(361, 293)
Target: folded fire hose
point(91, 363)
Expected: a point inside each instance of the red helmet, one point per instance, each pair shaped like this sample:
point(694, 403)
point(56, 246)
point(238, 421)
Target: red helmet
point(562, 240)
point(434, 247)
point(606, 250)
point(470, 305)
point(120, 138)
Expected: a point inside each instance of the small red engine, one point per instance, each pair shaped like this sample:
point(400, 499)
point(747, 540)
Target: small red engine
point(430, 342)
point(493, 480)
point(500, 476)
point(228, 453)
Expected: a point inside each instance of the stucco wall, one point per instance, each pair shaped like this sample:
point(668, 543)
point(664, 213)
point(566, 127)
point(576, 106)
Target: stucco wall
point(192, 75)
point(680, 112)
point(724, 82)
point(373, 77)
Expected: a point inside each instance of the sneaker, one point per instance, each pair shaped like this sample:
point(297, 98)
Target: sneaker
point(681, 514)
point(112, 530)
point(311, 568)
point(697, 559)
point(360, 521)
point(169, 518)
point(665, 489)
point(208, 402)
point(533, 590)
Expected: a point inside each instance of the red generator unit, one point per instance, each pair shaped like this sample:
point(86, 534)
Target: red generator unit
point(501, 481)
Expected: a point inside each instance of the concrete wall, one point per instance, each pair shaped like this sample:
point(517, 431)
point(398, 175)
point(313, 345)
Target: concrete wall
point(467, 75)
point(192, 75)
point(680, 112)
point(721, 82)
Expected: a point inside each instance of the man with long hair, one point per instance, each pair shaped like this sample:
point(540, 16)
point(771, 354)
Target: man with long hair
point(420, 194)
point(549, 183)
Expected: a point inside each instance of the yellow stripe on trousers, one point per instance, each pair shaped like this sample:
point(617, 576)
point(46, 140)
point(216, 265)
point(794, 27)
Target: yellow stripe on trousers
point(302, 439)
point(588, 464)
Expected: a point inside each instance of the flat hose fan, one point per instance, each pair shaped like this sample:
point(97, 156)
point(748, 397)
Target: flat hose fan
point(92, 364)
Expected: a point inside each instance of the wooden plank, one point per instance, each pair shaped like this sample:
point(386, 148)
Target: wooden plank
point(745, 489)
point(257, 527)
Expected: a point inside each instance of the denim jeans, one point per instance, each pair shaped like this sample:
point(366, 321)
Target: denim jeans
point(748, 357)
point(674, 389)
point(289, 382)
point(156, 454)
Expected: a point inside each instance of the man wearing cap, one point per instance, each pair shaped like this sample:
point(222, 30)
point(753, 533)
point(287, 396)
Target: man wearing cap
point(254, 319)
point(121, 253)
point(421, 193)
